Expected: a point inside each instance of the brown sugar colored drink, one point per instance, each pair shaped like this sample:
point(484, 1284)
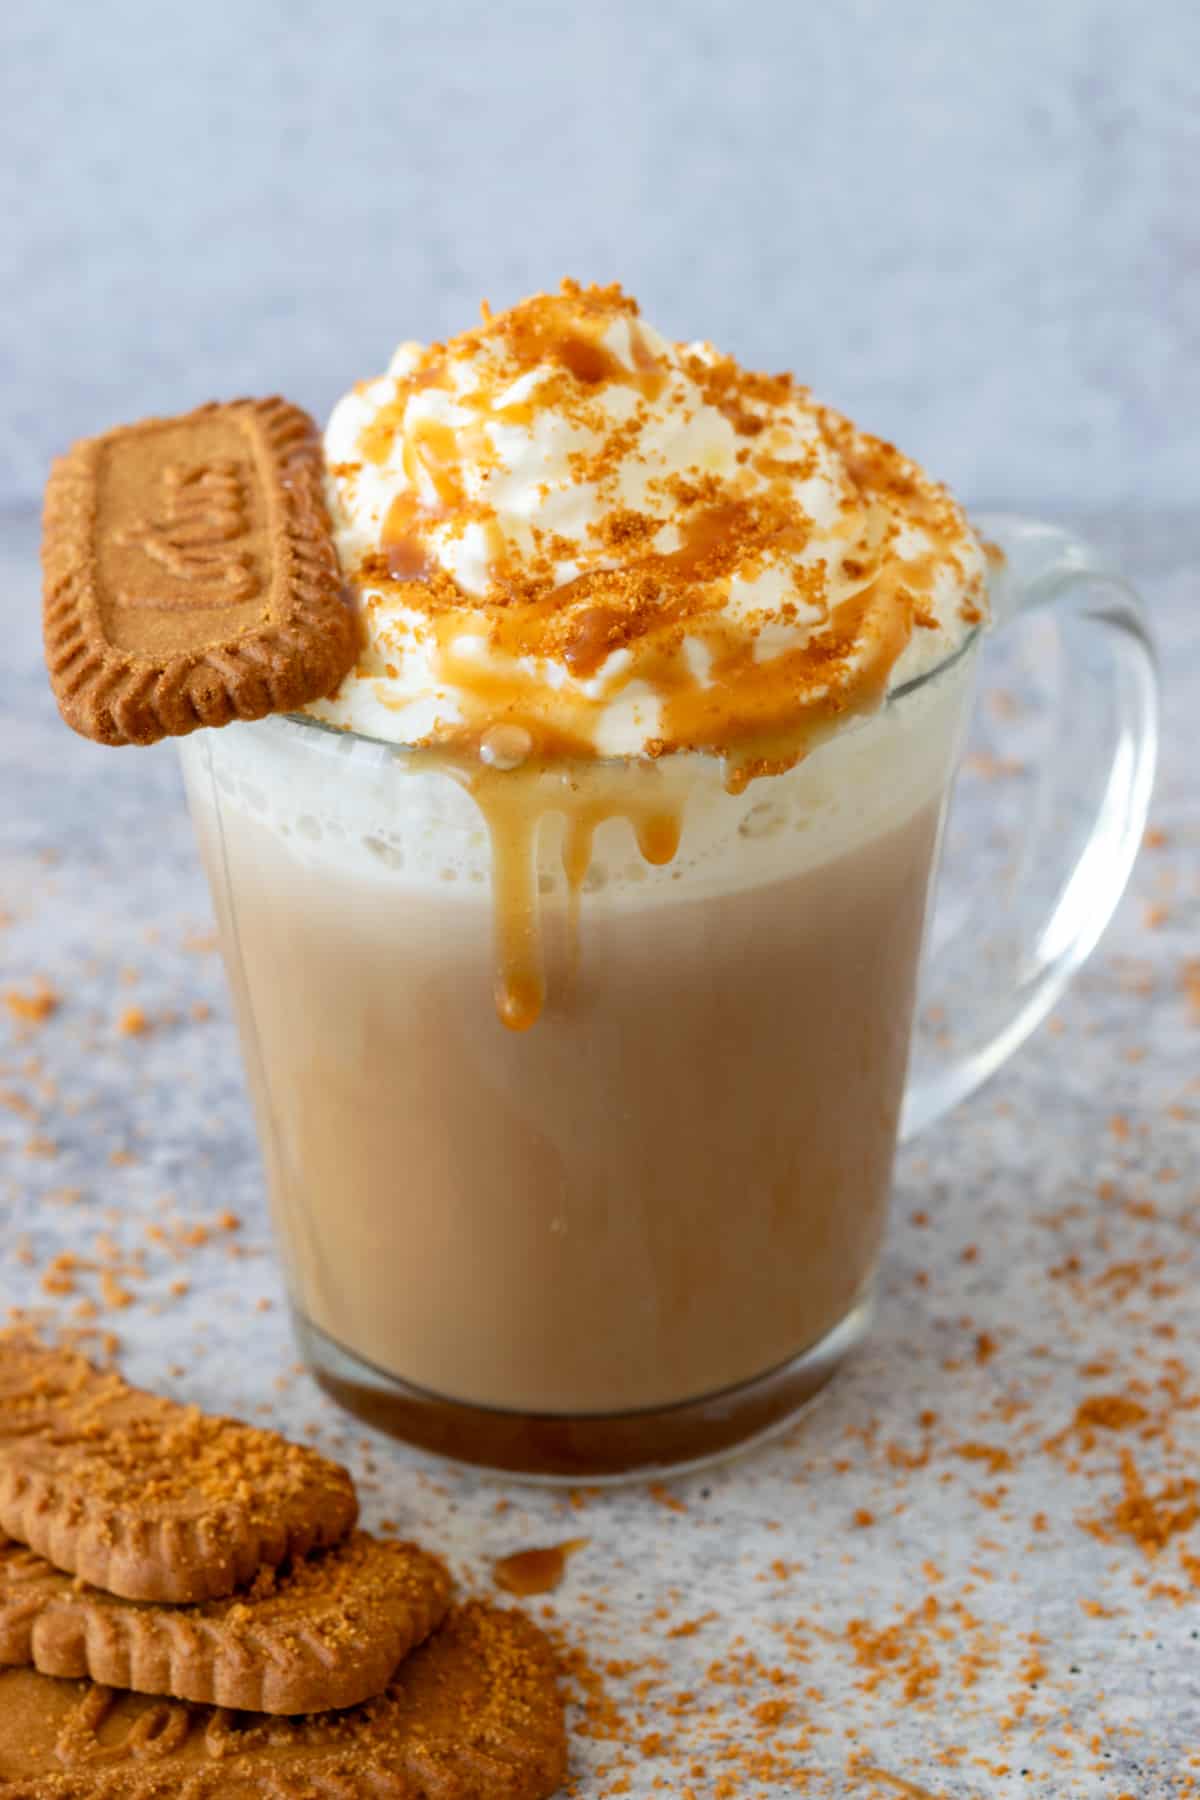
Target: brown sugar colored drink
point(670, 1187)
point(672, 1183)
point(574, 938)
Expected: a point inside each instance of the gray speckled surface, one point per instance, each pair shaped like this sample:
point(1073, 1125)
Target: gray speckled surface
point(971, 226)
point(863, 1594)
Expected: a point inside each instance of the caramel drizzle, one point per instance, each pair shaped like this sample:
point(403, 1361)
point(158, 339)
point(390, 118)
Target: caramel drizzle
point(513, 824)
point(405, 551)
point(514, 802)
point(748, 708)
point(759, 714)
point(431, 452)
point(657, 828)
point(759, 717)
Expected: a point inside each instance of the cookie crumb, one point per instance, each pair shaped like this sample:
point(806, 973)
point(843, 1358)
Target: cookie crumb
point(32, 1008)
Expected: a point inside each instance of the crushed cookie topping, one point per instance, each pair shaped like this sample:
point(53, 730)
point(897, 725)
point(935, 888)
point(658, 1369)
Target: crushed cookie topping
point(601, 514)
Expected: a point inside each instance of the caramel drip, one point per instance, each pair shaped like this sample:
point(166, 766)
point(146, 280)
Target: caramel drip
point(537, 1571)
point(657, 829)
point(512, 822)
point(761, 717)
point(577, 847)
point(537, 773)
point(658, 835)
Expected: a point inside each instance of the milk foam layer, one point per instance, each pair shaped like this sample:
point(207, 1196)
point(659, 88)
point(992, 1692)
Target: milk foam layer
point(366, 812)
point(562, 519)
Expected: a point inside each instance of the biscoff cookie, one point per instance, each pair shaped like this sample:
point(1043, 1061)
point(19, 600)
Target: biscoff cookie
point(475, 1714)
point(190, 574)
point(144, 1497)
point(323, 1632)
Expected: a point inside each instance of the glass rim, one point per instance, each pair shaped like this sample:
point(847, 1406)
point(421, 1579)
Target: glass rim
point(322, 728)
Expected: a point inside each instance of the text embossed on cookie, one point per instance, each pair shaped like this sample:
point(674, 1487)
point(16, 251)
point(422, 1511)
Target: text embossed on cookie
point(198, 535)
point(188, 531)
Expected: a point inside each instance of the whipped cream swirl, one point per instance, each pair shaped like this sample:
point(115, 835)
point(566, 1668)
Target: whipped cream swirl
point(564, 528)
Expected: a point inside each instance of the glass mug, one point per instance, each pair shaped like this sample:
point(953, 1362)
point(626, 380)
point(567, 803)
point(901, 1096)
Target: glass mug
point(646, 1229)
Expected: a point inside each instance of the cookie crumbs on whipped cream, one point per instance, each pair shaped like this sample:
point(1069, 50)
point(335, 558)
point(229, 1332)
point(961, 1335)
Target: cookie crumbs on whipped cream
point(563, 522)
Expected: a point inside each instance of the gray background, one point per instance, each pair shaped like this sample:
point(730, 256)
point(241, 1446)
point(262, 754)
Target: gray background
point(974, 227)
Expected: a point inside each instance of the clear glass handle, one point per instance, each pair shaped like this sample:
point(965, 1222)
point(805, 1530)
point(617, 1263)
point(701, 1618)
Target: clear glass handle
point(1020, 908)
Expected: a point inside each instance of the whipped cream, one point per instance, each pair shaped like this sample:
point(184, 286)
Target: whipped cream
point(566, 532)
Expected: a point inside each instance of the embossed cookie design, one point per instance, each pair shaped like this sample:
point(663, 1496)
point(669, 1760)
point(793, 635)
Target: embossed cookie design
point(474, 1714)
point(324, 1632)
point(146, 1498)
point(190, 574)
point(200, 537)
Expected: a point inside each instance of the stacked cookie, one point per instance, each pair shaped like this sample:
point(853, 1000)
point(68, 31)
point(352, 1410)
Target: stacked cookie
point(187, 1609)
